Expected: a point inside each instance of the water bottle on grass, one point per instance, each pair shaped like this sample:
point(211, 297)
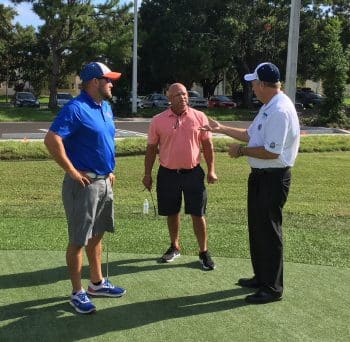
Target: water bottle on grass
point(145, 206)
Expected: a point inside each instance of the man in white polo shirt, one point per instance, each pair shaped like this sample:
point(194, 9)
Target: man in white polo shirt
point(273, 143)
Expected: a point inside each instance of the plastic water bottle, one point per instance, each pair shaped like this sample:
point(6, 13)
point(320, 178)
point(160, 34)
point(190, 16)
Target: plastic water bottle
point(145, 206)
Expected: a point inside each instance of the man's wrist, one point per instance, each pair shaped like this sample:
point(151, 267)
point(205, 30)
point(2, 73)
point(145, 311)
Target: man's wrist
point(241, 151)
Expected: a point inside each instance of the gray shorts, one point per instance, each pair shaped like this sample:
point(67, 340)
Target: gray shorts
point(89, 210)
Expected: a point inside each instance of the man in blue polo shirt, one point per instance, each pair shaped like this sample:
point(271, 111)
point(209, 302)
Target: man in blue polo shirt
point(81, 141)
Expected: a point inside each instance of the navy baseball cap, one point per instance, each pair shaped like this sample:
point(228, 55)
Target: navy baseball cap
point(266, 72)
point(97, 70)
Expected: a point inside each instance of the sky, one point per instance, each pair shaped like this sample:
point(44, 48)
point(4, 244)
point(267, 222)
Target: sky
point(27, 17)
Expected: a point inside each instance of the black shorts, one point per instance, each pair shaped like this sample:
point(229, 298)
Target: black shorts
point(172, 183)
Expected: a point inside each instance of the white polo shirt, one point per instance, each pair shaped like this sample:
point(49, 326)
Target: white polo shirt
point(276, 128)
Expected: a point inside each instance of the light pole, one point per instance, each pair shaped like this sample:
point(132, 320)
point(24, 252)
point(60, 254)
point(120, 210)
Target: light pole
point(292, 56)
point(134, 63)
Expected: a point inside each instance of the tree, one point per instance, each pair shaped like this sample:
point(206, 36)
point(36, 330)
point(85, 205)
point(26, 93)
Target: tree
point(334, 67)
point(75, 32)
point(179, 43)
point(197, 41)
point(6, 39)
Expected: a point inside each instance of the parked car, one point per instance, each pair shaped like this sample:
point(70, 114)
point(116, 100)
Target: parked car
point(155, 100)
point(221, 101)
point(238, 99)
point(63, 98)
point(308, 98)
point(196, 100)
point(25, 99)
point(139, 101)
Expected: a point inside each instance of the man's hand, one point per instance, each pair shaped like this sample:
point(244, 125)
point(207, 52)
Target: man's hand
point(213, 126)
point(112, 178)
point(79, 177)
point(147, 182)
point(212, 178)
point(234, 150)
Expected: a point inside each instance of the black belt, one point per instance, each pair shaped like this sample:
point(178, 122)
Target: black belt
point(180, 171)
point(270, 170)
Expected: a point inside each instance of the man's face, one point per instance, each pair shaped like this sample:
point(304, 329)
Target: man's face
point(105, 87)
point(257, 89)
point(178, 97)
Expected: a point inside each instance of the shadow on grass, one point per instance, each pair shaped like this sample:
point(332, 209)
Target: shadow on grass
point(43, 318)
point(116, 268)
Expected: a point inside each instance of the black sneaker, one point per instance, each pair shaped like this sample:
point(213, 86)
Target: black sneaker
point(206, 261)
point(249, 282)
point(171, 254)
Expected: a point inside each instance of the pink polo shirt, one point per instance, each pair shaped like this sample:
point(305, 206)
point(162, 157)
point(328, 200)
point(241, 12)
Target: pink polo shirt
point(179, 138)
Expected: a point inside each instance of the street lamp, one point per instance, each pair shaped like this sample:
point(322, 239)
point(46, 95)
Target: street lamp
point(134, 63)
point(292, 56)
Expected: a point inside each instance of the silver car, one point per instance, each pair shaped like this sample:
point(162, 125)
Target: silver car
point(155, 100)
point(196, 100)
point(63, 98)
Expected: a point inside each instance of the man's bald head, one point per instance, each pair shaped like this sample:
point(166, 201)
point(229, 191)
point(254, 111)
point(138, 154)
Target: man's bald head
point(178, 97)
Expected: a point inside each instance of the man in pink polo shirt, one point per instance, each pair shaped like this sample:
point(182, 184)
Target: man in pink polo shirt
point(176, 133)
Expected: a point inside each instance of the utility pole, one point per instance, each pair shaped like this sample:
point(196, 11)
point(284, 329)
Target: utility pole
point(134, 63)
point(293, 42)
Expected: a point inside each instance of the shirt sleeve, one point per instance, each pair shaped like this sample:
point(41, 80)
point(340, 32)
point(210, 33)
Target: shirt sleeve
point(275, 134)
point(153, 137)
point(66, 122)
point(204, 135)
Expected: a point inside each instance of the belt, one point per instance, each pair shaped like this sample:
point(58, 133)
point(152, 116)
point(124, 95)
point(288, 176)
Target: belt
point(270, 170)
point(95, 176)
point(180, 171)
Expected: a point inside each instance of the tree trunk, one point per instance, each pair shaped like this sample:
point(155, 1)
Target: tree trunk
point(247, 88)
point(53, 79)
point(209, 87)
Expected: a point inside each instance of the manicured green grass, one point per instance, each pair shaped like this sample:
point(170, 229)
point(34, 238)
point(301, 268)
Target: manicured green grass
point(178, 299)
point(19, 114)
point(317, 214)
point(30, 150)
point(169, 301)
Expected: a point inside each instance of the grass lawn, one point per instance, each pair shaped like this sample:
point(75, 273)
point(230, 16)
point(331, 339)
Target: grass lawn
point(36, 150)
point(19, 114)
point(316, 217)
point(165, 301)
point(179, 299)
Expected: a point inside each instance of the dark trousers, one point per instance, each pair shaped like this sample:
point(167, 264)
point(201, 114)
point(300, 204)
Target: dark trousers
point(267, 193)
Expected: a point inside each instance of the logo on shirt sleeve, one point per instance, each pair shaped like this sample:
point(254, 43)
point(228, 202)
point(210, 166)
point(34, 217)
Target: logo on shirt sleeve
point(272, 145)
point(259, 127)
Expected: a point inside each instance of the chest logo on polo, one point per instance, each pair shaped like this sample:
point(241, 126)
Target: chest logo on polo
point(272, 145)
point(109, 114)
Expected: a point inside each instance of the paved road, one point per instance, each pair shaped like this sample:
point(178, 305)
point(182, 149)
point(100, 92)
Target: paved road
point(137, 127)
point(37, 130)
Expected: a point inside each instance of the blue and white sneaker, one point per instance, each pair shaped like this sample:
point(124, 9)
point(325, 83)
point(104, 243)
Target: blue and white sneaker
point(105, 289)
point(82, 303)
